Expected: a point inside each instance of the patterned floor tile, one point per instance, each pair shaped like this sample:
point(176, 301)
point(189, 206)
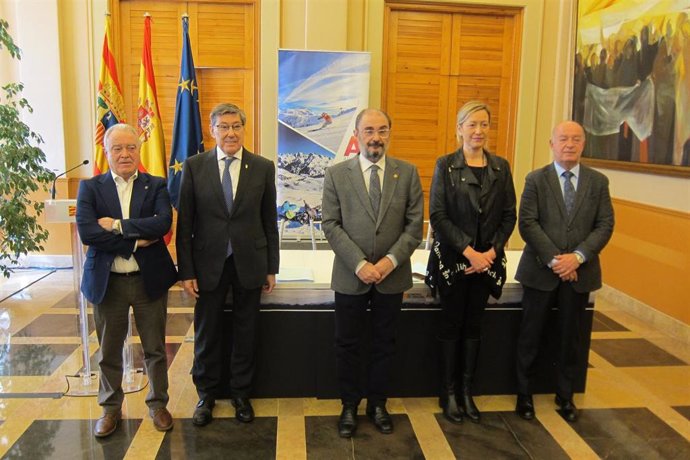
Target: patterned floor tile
point(629, 433)
point(634, 353)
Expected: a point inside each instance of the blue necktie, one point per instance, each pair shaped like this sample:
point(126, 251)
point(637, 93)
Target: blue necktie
point(227, 191)
point(568, 191)
point(375, 189)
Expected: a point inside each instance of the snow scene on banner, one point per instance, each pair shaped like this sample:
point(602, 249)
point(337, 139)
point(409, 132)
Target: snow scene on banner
point(319, 96)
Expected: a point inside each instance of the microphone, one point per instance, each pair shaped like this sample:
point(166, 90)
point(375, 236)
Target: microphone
point(52, 189)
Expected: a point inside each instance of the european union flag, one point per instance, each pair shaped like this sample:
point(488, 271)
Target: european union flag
point(187, 137)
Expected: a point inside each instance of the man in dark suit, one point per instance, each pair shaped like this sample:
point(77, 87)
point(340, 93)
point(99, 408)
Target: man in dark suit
point(566, 219)
point(372, 215)
point(227, 238)
point(122, 216)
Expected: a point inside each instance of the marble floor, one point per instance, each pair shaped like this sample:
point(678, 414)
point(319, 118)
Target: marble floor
point(637, 402)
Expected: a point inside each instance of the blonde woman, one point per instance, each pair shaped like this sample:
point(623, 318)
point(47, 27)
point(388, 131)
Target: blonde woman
point(472, 212)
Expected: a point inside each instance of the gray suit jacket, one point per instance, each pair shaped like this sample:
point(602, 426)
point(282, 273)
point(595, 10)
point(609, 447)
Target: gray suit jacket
point(354, 233)
point(548, 230)
point(204, 225)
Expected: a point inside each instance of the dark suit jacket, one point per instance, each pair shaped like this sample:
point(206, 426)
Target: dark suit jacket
point(548, 230)
point(204, 225)
point(354, 234)
point(150, 217)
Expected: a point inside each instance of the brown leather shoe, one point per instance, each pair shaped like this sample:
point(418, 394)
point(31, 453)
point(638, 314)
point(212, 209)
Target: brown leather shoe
point(106, 425)
point(162, 419)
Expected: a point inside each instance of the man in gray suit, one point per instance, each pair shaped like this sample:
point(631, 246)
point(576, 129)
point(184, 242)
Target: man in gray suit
point(372, 216)
point(227, 238)
point(566, 219)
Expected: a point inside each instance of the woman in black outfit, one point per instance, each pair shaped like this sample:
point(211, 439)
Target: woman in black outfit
point(472, 212)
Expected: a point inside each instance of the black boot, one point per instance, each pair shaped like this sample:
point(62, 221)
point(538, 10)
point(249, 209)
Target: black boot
point(470, 350)
point(447, 401)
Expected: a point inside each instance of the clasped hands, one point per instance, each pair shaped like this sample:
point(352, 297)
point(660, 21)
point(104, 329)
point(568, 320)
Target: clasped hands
point(106, 224)
point(479, 261)
point(565, 266)
point(375, 273)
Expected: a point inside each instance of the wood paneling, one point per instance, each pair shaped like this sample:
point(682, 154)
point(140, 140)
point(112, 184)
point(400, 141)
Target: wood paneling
point(436, 58)
point(648, 257)
point(223, 36)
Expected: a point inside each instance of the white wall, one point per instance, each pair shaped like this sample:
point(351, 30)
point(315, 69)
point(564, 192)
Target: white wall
point(655, 190)
point(36, 26)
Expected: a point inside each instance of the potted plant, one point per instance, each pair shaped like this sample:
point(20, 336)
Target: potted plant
point(22, 172)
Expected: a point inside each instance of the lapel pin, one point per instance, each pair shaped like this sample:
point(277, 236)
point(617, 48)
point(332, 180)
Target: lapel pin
point(395, 176)
point(146, 187)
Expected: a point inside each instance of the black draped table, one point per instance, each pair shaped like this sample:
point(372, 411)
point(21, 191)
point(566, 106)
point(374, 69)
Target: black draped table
point(296, 356)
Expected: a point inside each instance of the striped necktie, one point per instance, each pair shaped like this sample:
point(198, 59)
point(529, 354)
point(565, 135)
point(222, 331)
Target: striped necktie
point(568, 191)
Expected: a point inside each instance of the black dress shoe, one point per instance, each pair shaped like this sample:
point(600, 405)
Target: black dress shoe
point(525, 407)
point(567, 408)
point(382, 420)
point(347, 423)
point(203, 412)
point(244, 412)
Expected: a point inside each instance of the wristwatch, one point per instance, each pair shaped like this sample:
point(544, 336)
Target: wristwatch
point(580, 259)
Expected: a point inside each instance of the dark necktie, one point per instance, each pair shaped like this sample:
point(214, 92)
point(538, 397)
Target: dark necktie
point(375, 189)
point(226, 182)
point(568, 191)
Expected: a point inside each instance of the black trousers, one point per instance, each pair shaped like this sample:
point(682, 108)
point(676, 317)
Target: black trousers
point(350, 317)
point(215, 332)
point(536, 306)
point(462, 307)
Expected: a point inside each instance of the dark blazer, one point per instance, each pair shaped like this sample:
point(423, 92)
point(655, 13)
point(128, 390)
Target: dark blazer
point(459, 204)
point(354, 233)
point(150, 217)
point(204, 225)
point(548, 231)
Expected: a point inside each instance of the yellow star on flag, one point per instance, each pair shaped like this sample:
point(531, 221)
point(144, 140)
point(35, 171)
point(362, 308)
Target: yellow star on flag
point(177, 166)
point(184, 84)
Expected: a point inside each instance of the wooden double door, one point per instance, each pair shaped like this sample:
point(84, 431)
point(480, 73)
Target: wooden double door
point(436, 57)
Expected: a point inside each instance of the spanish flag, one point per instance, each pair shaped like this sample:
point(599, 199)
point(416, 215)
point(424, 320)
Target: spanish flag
point(149, 123)
point(110, 107)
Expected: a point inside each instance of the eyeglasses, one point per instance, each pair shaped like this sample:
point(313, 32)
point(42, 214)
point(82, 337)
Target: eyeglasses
point(223, 128)
point(382, 132)
point(131, 148)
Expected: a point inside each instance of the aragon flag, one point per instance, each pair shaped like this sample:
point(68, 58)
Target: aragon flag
point(110, 107)
point(187, 136)
point(149, 124)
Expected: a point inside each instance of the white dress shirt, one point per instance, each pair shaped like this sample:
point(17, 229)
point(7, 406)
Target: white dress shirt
point(124, 193)
point(235, 167)
point(366, 165)
point(561, 180)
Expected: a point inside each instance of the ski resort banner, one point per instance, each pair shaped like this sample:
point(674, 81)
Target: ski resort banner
point(319, 96)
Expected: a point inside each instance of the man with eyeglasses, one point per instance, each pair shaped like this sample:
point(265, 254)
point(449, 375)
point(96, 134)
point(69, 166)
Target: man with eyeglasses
point(122, 216)
point(227, 241)
point(372, 215)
